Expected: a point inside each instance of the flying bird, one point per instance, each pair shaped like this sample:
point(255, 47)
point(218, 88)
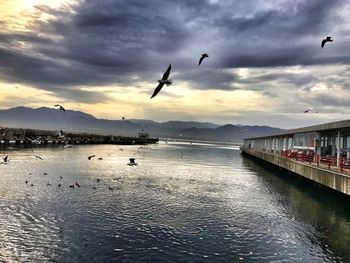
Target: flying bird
point(163, 81)
point(324, 41)
point(306, 111)
point(38, 157)
point(60, 107)
point(202, 57)
point(123, 118)
point(91, 156)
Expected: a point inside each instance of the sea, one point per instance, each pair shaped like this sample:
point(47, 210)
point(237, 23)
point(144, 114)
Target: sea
point(182, 202)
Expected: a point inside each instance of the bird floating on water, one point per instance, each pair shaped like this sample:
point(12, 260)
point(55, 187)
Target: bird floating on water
point(324, 41)
point(132, 162)
point(91, 156)
point(60, 107)
point(202, 58)
point(77, 184)
point(163, 81)
point(306, 111)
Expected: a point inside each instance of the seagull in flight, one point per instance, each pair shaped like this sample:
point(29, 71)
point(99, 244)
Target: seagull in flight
point(306, 111)
point(163, 81)
point(60, 107)
point(324, 41)
point(202, 57)
point(38, 157)
point(91, 156)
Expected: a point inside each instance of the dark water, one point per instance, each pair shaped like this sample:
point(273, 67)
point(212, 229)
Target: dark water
point(182, 203)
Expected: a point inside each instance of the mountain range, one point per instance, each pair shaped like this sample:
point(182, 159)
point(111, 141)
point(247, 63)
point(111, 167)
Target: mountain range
point(77, 121)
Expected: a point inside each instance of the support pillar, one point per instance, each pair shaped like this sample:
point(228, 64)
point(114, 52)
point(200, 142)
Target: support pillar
point(338, 149)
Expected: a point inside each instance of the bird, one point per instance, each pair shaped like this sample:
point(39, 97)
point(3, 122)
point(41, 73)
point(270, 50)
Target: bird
point(38, 157)
point(91, 156)
point(45, 173)
point(306, 111)
point(123, 118)
point(48, 184)
point(77, 184)
point(59, 185)
point(6, 159)
point(324, 41)
point(71, 186)
point(121, 149)
point(110, 188)
point(100, 159)
point(26, 182)
point(97, 179)
point(60, 133)
point(202, 57)
point(163, 81)
point(61, 177)
point(132, 162)
point(31, 184)
point(60, 107)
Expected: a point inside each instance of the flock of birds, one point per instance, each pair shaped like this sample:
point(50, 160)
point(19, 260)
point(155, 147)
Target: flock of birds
point(6, 160)
point(166, 81)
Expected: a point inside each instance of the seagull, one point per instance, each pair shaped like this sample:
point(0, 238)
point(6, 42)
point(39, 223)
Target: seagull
point(123, 118)
point(306, 111)
point(91, 156)
point(202, 57)
point(71, 186)
point(163, 81)
point(48, 184)
point(132, 162)
point(26, 182)
point(100, 159)
point(324, 41)
point(77, 184)
point(60, 107)
point(60, 133)
point(98, 180)
point(6, 159)
point(45, 173)
point(38, 157)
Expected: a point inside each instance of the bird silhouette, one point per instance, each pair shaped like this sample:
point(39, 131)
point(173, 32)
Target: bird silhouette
point(59, 185)
point(324, 41)
point(163, 81)
point(60, 107)
point(6, 159)
point(202, 57)
point(91, 156)
point(123, 118)
point(306, 111)
point(38, 157)
point(132, 162)
point(77, 184)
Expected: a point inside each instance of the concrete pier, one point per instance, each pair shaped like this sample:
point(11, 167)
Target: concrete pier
point(320, 153)
point(332, 179)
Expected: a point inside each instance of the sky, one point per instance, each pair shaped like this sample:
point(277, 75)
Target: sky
point(104, 57)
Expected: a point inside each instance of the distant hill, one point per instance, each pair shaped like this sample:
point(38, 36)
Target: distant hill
point(77, 121)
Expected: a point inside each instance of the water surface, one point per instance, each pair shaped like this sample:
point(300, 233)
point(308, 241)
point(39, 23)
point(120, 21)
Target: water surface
point(181, 203)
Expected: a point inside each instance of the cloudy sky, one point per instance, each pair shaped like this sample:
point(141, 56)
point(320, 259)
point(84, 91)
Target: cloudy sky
point(104, 57)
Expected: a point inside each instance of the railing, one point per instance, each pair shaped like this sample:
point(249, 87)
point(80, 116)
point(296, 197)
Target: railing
point(318, 160)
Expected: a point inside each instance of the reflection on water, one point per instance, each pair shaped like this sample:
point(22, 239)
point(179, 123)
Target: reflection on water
point(183, 202)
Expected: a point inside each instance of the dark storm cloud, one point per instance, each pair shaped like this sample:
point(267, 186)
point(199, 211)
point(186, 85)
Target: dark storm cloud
point(127, 42)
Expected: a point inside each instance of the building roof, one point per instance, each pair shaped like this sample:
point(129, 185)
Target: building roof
point(342, 126)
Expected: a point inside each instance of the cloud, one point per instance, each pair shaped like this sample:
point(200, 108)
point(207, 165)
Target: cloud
point(129, 43)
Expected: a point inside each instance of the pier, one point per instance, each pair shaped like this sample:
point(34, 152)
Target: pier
point(320, 153)
point(43, 137)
